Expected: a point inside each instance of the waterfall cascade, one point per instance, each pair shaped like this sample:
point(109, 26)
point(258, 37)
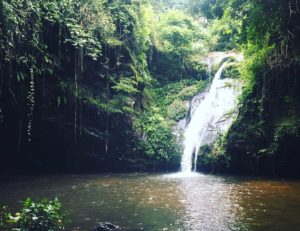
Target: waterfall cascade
point(211, 113)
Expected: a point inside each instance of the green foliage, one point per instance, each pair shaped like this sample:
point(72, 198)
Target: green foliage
point(157, 140)
point(88, 24)
point(214, 156)
point(73, 59)
point(256, 60)
point(17, 35)
point(172, 99)
point(226, 33)
point(176, 37)
point(3, 215)
point(288, 127)
point(176, 33)
point(218, 147)
point(189, 92)
point(183, 90)
point(124, 58)
point(231, 71)
point(206, 8)
point(177, 110)
point(266, 32)
point(38, 216)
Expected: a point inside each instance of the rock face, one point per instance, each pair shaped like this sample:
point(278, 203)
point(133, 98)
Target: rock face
point(106, 226)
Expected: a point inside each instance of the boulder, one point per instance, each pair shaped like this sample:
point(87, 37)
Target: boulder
point(106, 226)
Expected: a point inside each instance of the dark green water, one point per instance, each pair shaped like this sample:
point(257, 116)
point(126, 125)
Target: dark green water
point(165, 202)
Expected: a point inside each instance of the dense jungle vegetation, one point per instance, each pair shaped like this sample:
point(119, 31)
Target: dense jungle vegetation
point(97, 85)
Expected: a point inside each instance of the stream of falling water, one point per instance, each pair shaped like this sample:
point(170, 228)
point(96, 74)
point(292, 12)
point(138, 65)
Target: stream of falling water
point(211, 117)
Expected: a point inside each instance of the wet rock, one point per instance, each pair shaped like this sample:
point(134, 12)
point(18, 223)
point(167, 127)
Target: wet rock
point(106, 226)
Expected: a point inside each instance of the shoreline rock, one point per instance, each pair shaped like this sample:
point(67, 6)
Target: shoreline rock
point(106, 226)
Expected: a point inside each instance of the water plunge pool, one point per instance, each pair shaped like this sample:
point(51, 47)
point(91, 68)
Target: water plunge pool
point(165, 202)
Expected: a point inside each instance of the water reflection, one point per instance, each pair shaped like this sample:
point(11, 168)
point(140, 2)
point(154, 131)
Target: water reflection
point(166, 202)
point(228, 203)
point(270, 205)
point(209, 203)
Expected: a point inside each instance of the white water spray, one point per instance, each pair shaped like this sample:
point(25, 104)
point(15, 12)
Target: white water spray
point(209, 117)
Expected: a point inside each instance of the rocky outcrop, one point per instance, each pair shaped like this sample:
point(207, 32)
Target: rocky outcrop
point(106, 226)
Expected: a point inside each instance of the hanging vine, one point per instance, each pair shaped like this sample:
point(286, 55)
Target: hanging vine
point(30, 103)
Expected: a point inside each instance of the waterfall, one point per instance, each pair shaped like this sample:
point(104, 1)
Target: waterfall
point(209, 116)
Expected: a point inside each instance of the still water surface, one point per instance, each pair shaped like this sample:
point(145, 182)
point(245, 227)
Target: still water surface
point(165, 202)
